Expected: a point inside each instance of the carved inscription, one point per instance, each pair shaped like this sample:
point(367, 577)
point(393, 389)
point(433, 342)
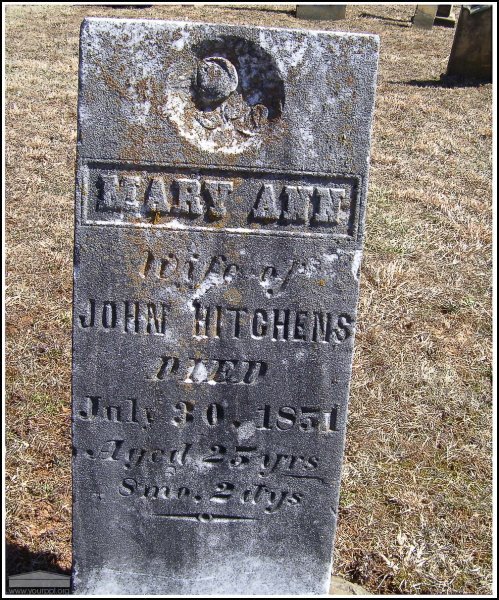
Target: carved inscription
point(194, 198)
point(166, 197)
point(94, 408)
point(268, 500)
point(118, 451)
point(211, 371)
point(189, 197)
point(293, 203)
point(127, 316)
point(131, 411)
point(195, 270)
point(278, 324)
point(161, 472)
point(301, 418)
point(203, 272)
point(219, 322)
point(171, 461)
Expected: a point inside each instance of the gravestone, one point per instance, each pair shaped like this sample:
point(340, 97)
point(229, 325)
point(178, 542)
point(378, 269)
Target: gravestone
point(445, 16)
point(471, 54)
point(220, 201)
point(321, 12)
point(424, 16)
point(342, 587)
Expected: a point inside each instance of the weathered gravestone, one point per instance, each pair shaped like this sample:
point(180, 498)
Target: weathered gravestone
point(445, 16)
point(221, 193)
point(321, 12)
point(424, 16)
point(471, 54)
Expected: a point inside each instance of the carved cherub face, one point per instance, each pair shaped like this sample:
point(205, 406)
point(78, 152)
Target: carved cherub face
point(216, 79)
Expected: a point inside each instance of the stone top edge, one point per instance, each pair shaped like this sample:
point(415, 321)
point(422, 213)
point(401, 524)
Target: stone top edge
point(346, 34)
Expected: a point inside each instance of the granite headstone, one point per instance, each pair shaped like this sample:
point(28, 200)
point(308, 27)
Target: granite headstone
point(220, 201)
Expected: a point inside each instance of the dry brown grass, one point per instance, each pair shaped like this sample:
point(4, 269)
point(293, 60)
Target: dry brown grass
point(416, 496)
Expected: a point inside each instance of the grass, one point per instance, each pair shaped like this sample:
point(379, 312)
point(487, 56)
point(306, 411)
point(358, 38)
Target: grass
point(415, 513)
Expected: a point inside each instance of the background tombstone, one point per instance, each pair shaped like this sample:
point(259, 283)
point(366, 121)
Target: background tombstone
point(471, 54)
point(341, 587)
point(445, 15)
point(424, 16)
point(321, 12)
point(220, 202)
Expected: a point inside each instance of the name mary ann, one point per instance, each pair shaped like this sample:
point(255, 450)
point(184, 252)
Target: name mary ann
point(309, 204)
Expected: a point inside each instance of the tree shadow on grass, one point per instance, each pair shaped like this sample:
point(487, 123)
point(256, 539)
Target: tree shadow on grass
point(127, 6)
point(445, 81)
point(20, 559)
point(277, 10)
point(397, 22)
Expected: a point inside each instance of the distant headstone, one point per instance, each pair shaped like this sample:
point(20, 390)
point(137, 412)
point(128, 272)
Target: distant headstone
point(342, 587)
point(445, 15)
point(127, 5)
point(471, 54)
point(321, 12)
point(220, 202)
point(424, 16)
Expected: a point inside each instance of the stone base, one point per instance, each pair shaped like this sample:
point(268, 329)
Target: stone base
point(342, 587)
point(445, 21)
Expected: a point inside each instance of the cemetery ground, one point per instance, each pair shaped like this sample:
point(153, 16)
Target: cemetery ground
point(415, 508)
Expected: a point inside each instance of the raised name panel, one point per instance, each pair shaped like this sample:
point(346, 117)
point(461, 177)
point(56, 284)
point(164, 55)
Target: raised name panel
point(220, 199)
